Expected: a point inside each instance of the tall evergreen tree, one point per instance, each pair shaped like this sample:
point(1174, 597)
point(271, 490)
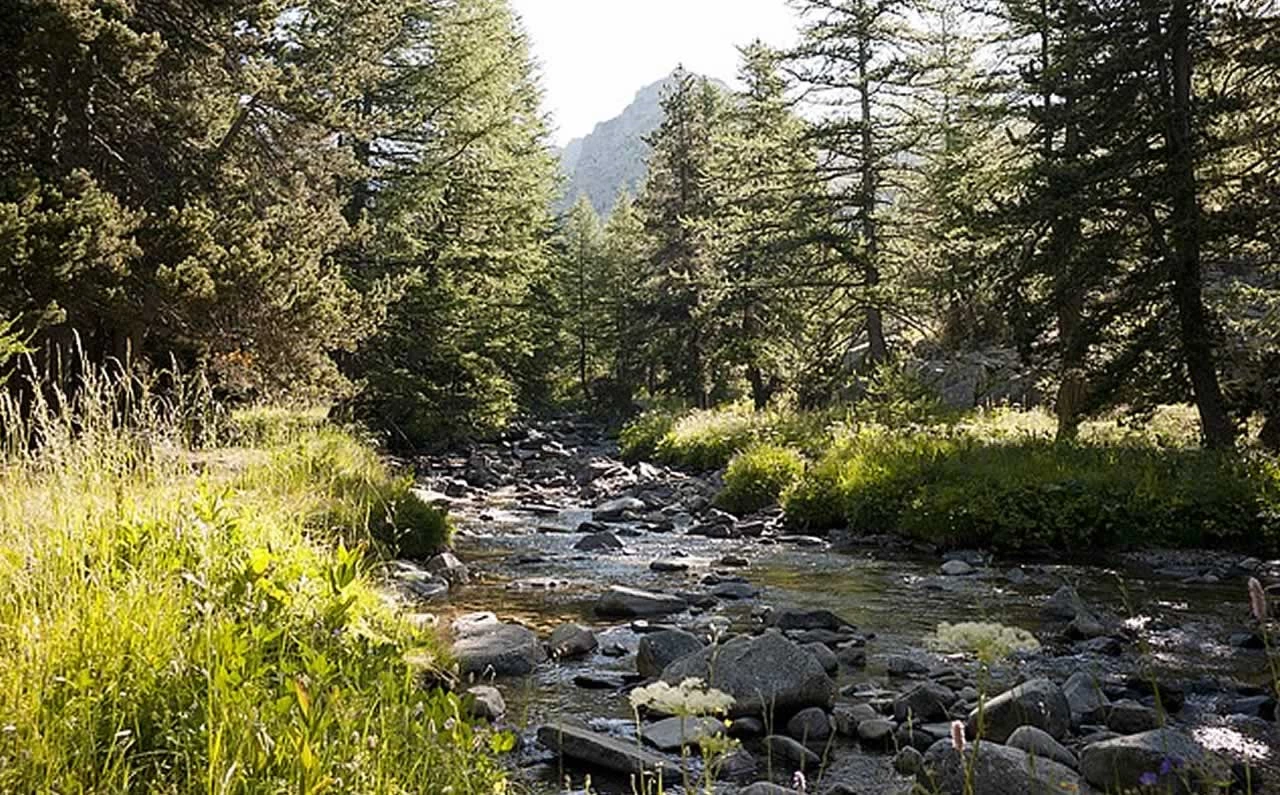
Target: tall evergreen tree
point(459, 193)
point(774, 212)
point(680, 209)
point(850, 61)
point(166, 181)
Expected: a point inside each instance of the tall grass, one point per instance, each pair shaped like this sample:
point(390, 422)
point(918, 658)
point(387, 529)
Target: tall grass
point(176, 620)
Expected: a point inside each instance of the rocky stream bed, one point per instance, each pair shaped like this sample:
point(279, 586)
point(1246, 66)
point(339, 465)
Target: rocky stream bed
point(576, 578)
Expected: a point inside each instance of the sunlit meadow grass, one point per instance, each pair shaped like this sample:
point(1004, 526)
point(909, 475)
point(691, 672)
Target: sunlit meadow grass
point(174, 620)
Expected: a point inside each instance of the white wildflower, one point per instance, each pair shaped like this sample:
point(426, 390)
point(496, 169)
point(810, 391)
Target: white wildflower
point(690, 697)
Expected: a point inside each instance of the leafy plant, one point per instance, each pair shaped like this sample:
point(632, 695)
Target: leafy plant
point(758, 476)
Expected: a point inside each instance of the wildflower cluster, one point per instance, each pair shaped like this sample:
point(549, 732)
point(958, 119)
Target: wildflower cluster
point(690, 697)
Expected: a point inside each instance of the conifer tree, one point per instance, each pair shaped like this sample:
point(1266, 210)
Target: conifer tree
point(850, 62)
point(680, 209)
point(461, 203)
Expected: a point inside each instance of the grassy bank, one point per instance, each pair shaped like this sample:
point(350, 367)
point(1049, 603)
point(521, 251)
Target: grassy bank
point(176, 620)
point(993, 480)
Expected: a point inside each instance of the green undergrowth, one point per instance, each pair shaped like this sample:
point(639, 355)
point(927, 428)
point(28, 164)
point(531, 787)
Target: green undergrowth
point(991, 479)
point(1030, 495)
point(176, 620)
point(757, 477)
point(707, 439)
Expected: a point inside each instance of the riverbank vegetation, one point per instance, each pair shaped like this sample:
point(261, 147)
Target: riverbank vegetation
point(921, 209)
point(190, 604)
point(996, 479)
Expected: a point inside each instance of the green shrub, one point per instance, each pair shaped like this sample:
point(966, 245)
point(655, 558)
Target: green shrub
point(864, 481)
point(1037, 495)
point(758, 476)
point(706, 440)
point(639, 438)
point(993, 478)
point(1033, 494)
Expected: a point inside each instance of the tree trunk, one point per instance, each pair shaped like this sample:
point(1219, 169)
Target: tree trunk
point(1269, 436)
point(878, 350)
point(1197, 346)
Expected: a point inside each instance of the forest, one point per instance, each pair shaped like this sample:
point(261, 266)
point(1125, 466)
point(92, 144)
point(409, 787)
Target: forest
point(286, 295)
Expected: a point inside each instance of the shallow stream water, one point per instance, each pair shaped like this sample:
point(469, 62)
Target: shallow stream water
point(524, 568)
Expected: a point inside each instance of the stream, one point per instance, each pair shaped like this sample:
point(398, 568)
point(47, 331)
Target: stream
point(1177, 620)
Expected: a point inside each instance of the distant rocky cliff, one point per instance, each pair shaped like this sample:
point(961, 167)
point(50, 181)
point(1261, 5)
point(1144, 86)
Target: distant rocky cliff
point(613, 158)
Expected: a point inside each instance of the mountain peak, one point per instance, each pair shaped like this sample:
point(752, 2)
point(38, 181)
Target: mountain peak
point(613, 158)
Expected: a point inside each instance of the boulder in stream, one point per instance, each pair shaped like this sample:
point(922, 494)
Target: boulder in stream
point(993, 769)
point(766, 672)
point(1084, 695)
point(614, 510)
point(498, 649)
point(788, 618)
point(923, 703)
point(671, 733)
point(626, 602)
point(571, 640)
point(602, 751)
point(1172, 758)
point(447, 566)
point(598, 542)
point(1038, 703)
point(660, 649)
point(790, 753)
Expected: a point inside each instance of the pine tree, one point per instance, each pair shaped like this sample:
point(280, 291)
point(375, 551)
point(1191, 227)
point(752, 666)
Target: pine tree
point(962, 170)
point(773, 219)
point(167, 179)
point(851, 64)
point(459, 200)
point(680, 209)
point(623, 257)
point(585, 289)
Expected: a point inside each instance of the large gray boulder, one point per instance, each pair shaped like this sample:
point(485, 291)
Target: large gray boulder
point(1063, 605)
point(1039, 744)
point(447, 566)
point(1121, 763)
point(790, 754)
point(498, 649)
point(992, 769)
point(923, 703)
point(602, 751)
point(484, 701)
point(1038, 703)
point(628, 602)
point(660, 649)
point(671, 733)
point(1130, 717)
point(1087, 701)
point(812, 726)
point(789, 618)
point(766, 673)
point(598, 542)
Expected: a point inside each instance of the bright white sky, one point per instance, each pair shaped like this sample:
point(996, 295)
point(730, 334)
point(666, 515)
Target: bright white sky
point(594, 55)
